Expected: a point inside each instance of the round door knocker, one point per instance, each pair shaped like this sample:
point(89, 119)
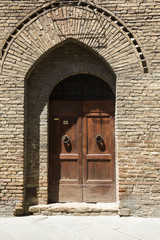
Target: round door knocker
point(99, 138)
point(66, 139)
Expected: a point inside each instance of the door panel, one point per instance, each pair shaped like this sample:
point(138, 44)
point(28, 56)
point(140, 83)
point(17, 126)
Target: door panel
point(98, 126)
point(98, 193)
point(98, 170)
point(98, 153)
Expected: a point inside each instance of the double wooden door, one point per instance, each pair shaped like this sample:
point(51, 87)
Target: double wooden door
point(81, 151)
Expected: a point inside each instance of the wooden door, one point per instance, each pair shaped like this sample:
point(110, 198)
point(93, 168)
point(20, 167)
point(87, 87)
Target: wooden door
point(81, 161)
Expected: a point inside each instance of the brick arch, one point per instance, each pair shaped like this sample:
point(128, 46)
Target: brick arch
point(102, 69)
point(66, 60)
point(54, 23)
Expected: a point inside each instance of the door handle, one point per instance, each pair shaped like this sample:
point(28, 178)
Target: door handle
point(99, 138)
point(66, 139)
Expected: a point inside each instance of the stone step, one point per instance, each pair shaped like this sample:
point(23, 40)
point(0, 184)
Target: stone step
point(76, 209)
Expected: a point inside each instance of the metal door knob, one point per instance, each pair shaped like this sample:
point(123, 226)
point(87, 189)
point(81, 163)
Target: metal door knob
point(99, 138)
point(66, 139)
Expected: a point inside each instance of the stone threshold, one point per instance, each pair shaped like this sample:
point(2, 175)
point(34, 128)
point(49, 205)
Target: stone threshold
point(76, 209)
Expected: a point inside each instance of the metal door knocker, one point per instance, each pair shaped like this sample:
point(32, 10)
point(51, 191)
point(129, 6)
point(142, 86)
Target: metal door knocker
point(99, 138)
point(66, 139)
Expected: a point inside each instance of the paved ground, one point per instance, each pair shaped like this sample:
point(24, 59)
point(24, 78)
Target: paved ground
point(79, 228)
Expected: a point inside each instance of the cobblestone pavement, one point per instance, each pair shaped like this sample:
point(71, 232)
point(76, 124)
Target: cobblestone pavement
point(79, 228)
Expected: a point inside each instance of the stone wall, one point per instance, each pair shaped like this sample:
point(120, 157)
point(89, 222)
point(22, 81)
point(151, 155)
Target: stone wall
point(128, 43)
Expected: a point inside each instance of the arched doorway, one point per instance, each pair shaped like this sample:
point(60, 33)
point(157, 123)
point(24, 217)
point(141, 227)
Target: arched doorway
point(81, 141)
